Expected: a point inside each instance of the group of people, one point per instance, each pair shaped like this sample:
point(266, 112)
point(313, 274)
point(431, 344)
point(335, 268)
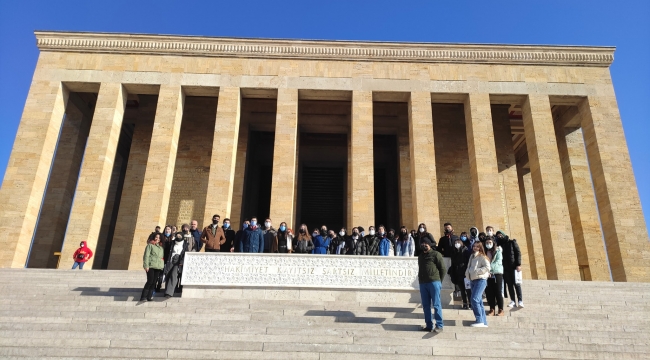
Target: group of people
point(480, 261)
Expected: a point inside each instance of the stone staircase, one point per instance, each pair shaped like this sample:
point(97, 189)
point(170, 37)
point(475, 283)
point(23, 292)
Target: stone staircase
point(95, 314)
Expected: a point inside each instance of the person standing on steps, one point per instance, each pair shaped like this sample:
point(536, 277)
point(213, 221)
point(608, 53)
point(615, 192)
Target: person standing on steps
point(356, 245)
point(385, 245)
point(421, 235)
point(196, 234)
point(283, 241)
point(495, 281)
point(212, 235)
point(81, 256)
point(153, 264)
point(166, 239)
point(511, 263)
point(252, 240)
point(156, 231)
point(303, 245)
point(431, 273)
point(372, 242)
point(321, 243)
point(268, 232)
point(446, 243)
point(240, 234)
point(228, 246)
point(478, 270)
point(405, 246)
point(457, 270)
point(174, 264)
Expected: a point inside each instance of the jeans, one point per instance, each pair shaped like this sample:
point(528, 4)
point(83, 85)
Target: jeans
point(509, 279)
point(79, 264)
point(430, 292)
point(150, 285)
point(478, 286)
point(493, 292)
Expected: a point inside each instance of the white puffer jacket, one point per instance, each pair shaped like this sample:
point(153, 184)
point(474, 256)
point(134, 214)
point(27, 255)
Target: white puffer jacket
point(478, 267)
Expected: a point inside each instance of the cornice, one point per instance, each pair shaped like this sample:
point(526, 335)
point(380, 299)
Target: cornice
point(324, 50)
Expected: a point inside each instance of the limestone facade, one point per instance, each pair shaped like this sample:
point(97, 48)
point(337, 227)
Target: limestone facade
point(399, 133)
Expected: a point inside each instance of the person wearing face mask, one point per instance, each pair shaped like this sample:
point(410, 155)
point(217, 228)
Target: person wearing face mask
point(321, 244)
point(422, 234)
point(304, 243)
point(372, 242)
point(481, 237)
point(489, 235)
point(385, 246)
point(240, 234)
point(196, 233)
point(393, 242)
point(152, 262)
point(495, 281)
point(473, 237)
point(333, 240)
point(174, 264)
point(252, 240)
point(283, 241)
point(446, 243)
point(166, 239)
point(268, 232)
point(189, 238)
point(478, 270)
point(457, 270)
point(356, 245)
point(511, 263)
point(405, 245)
point(341, 243)
point(213, 236)
point(228, 246)
point(431, 273)
point(81, 256)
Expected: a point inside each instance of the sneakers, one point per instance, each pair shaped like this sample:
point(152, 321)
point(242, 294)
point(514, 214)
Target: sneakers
point(437, 330)
point(480, 325)
point(521, 304)
point(512, 304)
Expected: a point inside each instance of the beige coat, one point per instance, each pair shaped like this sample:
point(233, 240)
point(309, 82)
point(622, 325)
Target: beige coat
point(478, 267)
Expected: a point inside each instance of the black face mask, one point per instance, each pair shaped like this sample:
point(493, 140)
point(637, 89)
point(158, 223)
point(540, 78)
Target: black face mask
point(424, 248)
point(302, 231)
point(215, 222)
point(323, 233)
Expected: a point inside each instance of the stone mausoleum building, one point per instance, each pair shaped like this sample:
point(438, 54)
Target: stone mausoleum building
point(123, 132)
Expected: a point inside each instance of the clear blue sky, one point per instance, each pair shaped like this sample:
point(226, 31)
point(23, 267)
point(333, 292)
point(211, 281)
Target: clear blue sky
point(624, 24)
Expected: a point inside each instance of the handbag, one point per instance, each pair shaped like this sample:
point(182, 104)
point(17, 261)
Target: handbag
point(518, 277)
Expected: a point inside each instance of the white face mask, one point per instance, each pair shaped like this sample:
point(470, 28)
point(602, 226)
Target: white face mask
point(267, 224)
point(489, 246)
point(490, 233)
point(341, 233)
point(457, 246)
point(421, 230)
point(372, 232)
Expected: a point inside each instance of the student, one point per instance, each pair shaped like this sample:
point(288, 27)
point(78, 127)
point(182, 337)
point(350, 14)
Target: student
point(421, 235)
point(431, 273)
point(478, 270)
point(213, 236)
point(405, 245)
point(283, 241)
point(457, 269)
point(304, 244)
point(321, 244)
point(152, 262)
point(511, 263)
point(252, 240)
point(385, 245)
point(446, 243)
point(372, 242)
point(82, 255)
point(495, 281)
point(356, 245)
point(174, 264)
point(228, 246)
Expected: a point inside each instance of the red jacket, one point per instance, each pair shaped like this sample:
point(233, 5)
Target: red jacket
point(82, 254)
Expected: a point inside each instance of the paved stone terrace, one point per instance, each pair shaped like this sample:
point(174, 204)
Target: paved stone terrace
point(95, 314)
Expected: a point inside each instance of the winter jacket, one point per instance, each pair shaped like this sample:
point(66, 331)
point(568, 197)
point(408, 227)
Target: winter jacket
point(321, 246)
point(358, 247)
point(230, 239)
point(446, 244)
point(169, 262)
point(405, 247)
point(471, 239)
point(269, 238)
point(496, 267)
point(385, 247)
point(282, 243)
point(304, 245)
point(164, 243)
point(511, 254)
point(418, 239)
point(372, 244)
point(431, 267)
point(478, 267)
point(252, 240)
point(153, 257)
point(213, 237)
point(82, 254)
point(458, 266)
point(335, 245)
point(198, 245)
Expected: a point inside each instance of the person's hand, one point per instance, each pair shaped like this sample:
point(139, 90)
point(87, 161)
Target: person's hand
point(146, 269)
point(232, 249)
point(518, 268)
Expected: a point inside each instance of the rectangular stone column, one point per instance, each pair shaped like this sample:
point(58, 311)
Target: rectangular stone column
point(582, 203)
point(509, 182)
point(424, 185)
point(283, 188)
point(361, 161)
point(158, 176)
point(28, 169)
point(240, 172)
point(406, 196)
point(60, 189)
point(94, 178)
point(488, 209)
point(624, 227)
point(550, 198)
point(533, 238)
point(224, 155)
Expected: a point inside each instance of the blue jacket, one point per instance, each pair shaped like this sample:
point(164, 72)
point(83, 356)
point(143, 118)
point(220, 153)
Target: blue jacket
point(252, 241)
point(196, 234)
point(320, 245)
point(384, 247)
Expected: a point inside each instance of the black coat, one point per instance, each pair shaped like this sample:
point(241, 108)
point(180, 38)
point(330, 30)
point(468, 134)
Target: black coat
point(230, 240)
point(511, 254)
point(358, 248)
point(458, 266)
point(372, 242)
point(446, 244)
point(419, 237)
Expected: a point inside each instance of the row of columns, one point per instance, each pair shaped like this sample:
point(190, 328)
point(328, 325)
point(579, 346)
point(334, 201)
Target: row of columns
point(564, 221)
